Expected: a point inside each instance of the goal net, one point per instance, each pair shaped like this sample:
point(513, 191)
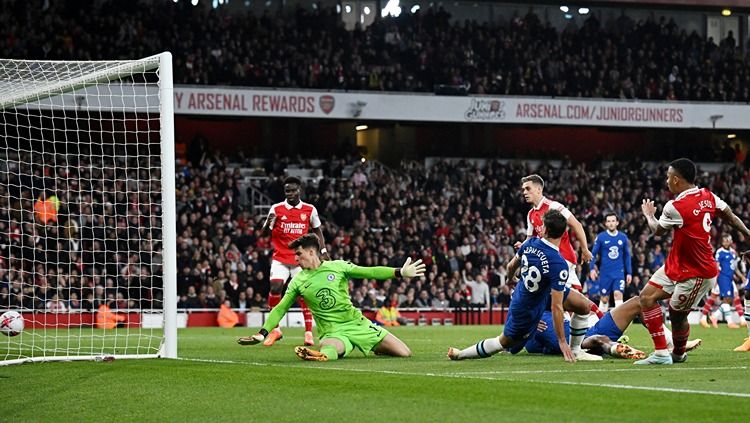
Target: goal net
point(87, 226)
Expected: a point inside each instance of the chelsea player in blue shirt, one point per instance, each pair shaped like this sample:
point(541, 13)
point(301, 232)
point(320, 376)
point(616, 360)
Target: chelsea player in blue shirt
point(614, 269)
point(543, 276)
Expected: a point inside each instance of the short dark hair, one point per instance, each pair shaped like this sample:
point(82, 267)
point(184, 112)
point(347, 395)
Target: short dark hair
point(685, 168)
point(534, 178)
point(555, 224)
point(305, 241)
point(608, 214)
point(292, 180)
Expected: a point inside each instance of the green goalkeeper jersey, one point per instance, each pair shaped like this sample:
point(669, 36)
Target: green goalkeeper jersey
point(326, 293)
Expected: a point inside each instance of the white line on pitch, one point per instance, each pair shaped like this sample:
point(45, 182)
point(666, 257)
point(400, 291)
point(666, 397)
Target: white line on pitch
point(636, 369)
point(479, 377)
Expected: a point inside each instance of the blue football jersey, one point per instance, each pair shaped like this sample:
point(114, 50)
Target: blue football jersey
point(615, 254)
point(542, 270)
point(727, 260)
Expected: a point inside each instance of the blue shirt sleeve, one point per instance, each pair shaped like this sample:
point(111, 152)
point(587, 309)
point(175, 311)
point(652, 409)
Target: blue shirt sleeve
point(558, 275)
point(626, 253)
point(595, 250)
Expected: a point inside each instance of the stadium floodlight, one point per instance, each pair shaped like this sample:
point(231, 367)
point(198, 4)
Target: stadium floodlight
point(731, 136)
point(583, 11)
point(102, 134)
point(726, 12)
point(391, 8)
point(415, 8)
point(564, 9)
point(568, 16)
point(366, 10)
point(194, 2)
point(348, 8)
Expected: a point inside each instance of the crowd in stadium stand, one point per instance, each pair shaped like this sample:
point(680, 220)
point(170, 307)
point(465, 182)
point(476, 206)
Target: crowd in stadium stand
point(310, 48)
point(460, 218)
point(79, 231)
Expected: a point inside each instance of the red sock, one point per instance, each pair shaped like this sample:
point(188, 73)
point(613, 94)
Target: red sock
point(708, 306)
point(739, 306)
point(654, 322)
point(305, 314)
point(595, 310)
point(273, 299)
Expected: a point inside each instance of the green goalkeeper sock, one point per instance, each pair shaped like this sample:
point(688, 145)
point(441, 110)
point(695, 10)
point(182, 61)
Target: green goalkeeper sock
point(330, 352)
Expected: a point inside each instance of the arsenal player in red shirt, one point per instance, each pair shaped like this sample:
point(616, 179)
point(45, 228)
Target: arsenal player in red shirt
point(690, 270)
point(533, 192)
point(287, 221)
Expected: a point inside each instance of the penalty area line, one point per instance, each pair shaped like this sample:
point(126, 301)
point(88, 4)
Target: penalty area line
point(480, 377)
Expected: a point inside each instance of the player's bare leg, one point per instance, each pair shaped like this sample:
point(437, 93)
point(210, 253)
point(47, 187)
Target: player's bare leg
point(391, 345)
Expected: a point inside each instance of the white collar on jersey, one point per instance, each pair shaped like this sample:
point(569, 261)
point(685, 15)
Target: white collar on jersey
point(289, 206)
point(550, 244)
point(612, 233)
point(692, 190)
point(542, 201)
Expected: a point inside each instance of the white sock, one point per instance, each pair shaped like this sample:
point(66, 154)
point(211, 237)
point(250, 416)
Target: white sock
point(618, 303)
point(718, 313)
point(579, 324)
point(668, 335)
point(603, 306)
point(726, 311)
point(482, 349)
point(747, 315)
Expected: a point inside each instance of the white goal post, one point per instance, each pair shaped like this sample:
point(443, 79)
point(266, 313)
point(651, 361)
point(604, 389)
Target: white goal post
point(87, 209)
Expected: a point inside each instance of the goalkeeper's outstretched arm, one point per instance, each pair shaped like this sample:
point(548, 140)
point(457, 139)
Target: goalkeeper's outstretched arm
point(408, 270)
point(274, 317)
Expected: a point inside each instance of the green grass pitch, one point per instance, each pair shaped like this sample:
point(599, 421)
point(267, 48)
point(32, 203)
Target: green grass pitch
point(218, 380)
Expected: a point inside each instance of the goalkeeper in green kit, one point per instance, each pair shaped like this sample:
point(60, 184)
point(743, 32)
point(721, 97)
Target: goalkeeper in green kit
point(325, 288)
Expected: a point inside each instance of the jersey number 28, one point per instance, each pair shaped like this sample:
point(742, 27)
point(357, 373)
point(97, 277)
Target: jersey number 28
point(530, 274)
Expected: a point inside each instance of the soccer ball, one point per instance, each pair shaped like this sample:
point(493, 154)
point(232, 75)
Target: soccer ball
point(11, 323)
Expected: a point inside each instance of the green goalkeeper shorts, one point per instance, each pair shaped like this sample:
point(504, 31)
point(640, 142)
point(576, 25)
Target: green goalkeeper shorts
point(362, 334)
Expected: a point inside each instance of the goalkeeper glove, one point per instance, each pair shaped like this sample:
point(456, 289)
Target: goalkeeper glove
point(254, 339)
point(411, 270)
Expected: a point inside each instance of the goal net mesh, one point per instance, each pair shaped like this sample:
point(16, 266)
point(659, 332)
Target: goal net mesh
point(81, 208)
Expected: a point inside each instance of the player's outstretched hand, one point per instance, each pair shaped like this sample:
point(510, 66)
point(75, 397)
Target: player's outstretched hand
point(251, 340)
point(586, 255)
point(567, 353)
point(648, 208)
point(411, 270)
point(517, 245)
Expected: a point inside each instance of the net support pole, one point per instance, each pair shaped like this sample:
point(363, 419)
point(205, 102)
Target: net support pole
point(169, 215)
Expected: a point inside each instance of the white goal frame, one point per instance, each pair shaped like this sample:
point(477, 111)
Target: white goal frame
point(10, 98)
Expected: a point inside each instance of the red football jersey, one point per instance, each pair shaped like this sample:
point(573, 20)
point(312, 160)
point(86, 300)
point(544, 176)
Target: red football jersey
point(691, 214)
point(535, 224)
point(291, 223)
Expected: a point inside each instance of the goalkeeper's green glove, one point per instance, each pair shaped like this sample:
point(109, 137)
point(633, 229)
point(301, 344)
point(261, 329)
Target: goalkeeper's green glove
point(411, 270)
point(254, 339)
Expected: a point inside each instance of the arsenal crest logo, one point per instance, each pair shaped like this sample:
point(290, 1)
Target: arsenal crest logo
point(303, 216)
point(327, 102)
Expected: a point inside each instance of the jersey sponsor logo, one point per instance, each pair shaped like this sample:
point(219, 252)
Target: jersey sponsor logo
point(614, 252)
point(293, 228)
point(327, 300)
